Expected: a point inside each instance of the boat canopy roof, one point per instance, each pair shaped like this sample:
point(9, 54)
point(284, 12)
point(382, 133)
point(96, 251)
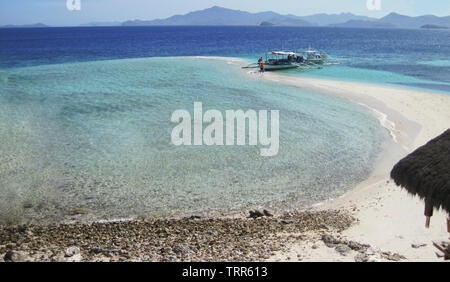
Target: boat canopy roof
point(283, 53)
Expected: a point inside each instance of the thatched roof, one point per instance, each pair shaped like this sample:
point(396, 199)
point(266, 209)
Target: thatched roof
point(426, 172)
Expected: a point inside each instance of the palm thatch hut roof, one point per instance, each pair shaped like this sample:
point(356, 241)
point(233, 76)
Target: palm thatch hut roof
point(426, 172)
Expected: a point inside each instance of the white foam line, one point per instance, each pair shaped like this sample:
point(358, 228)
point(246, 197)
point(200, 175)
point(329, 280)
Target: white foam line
point(114, 220)
point(229, 60)
point(384, 121)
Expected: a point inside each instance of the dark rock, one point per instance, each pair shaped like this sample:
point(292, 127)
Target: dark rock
point(96, 250)
point(256, 214)
point(343, 249)
point(392, 257)
point(104, 250)
point(267, 213)
point(361, 257)
point(10, 246)
point(357, 246)
point(328, 239)
point(287, 222)
point(180, 249)
point(16, 256)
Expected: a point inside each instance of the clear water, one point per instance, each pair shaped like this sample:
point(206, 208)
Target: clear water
point(85, 122)
point(412, 58)
point(96, 135)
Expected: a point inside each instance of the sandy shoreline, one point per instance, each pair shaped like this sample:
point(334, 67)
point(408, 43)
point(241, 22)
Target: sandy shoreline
point(388, 218)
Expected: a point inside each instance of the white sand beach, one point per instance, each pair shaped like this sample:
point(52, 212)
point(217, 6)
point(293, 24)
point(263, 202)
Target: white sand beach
point(388, 218)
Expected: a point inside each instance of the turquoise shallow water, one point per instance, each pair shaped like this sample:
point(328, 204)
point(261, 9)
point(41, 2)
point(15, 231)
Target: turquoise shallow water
point(379, 77)
point(373, 73)
point(439, 63)
point(96, 136)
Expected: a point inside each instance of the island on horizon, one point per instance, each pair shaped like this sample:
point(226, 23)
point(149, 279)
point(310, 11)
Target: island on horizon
point(219, 16)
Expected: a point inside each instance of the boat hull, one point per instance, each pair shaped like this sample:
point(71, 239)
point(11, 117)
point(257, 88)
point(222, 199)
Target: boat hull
point(268, 67)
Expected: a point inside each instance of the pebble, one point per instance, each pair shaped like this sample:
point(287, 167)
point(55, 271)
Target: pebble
point(71, 251)
point(361, 257)
point(417, 246)
point(74, 258)
point(180, 249)
point(343, 249)
point(287, 221)
point(373, 258)
point(392, 257)
point(210, 239)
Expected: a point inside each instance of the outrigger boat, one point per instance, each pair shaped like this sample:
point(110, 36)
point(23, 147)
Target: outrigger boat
point(279, 60)
point(282, 60)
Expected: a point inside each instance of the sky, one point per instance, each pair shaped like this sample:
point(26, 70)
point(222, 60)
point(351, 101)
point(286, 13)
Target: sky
point(55, 12)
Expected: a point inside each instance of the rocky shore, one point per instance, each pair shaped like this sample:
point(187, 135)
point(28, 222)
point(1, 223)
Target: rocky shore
point(253, 238)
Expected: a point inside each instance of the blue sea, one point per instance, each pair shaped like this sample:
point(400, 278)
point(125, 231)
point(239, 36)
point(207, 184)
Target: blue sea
point(85, 117)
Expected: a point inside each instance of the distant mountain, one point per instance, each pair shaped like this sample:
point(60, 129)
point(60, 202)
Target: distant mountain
point(24, 26)
point(218, 16)
point(364, 24)
point(222, 16)
point(331, 19)
point(102, 24)
point(402, 21)
point(394, 20)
